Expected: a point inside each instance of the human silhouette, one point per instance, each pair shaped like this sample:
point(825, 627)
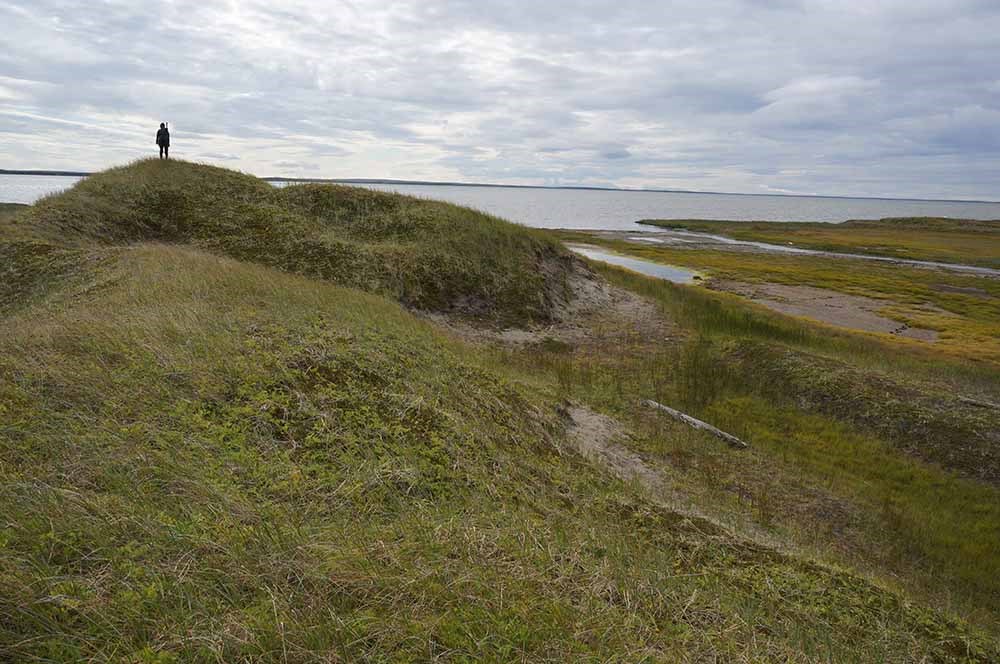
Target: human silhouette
point(163, 140)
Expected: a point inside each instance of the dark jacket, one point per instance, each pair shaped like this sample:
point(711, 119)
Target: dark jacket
point(163, 138)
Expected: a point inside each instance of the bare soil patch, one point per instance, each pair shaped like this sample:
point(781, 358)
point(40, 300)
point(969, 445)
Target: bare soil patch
point(595, 316)
point(852, 311)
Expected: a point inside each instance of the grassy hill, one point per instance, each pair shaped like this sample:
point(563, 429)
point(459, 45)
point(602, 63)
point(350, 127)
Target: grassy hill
point(217, 443)
point(426, 254)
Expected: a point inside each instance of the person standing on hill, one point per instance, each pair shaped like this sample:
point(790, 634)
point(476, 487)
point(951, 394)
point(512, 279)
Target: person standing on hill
point(163, 140)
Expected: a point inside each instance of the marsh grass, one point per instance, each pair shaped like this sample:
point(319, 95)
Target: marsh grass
point(933, 299)
point(967, 241)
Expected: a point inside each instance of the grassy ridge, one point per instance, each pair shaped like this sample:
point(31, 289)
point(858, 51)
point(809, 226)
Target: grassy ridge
point(967, 241)
point(8, 210)
point(426, 254)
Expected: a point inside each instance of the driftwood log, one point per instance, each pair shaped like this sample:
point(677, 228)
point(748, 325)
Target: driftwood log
point(696, 423)
point(979, 403)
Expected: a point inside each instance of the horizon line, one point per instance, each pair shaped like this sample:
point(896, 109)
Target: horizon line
point(446, 183)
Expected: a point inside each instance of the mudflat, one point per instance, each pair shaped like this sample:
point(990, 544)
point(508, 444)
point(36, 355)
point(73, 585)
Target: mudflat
point(855, 312)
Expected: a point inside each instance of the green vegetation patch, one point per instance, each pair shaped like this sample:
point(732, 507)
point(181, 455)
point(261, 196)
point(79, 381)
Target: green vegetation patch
point(928, 421)
point(861, 451)
point(8, 210)
point(967, 241)
point(31, 269)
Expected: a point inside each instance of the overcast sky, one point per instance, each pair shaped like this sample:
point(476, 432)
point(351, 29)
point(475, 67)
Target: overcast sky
point(849, 97)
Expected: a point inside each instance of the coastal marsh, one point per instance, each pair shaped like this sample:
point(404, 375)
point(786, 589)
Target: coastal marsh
point(218, 443)
point(860, 452)
point(963, 310)
point(968, 241)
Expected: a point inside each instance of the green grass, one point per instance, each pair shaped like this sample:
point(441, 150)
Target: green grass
point(906, 394)
point(966, 241)
point(212, 459)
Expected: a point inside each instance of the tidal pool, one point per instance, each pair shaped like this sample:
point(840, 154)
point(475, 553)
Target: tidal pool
point(678, 275)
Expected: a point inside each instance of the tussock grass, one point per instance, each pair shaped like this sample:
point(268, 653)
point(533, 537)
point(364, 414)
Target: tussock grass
point(8, 210)
point(212, 460)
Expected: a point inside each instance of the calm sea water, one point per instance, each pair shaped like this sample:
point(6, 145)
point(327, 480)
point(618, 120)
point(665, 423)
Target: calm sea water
point(614, 210)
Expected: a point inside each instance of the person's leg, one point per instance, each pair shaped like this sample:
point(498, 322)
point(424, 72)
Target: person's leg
point(161, 152)
point(166, 152)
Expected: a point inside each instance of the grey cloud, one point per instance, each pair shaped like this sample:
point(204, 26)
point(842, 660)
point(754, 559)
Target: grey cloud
point(219, 156)
point(615, 153)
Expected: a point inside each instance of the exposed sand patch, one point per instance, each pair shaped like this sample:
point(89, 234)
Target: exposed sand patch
point(603, 442)
point(852, 311)
point(596, 315)
point(596, 437)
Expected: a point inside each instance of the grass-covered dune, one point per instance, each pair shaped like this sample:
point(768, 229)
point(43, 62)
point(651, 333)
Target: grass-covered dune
point(204, 458)
point(426, 254)
point(967, 241)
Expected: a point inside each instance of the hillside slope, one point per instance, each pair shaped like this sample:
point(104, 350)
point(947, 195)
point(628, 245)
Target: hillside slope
point(206, 459)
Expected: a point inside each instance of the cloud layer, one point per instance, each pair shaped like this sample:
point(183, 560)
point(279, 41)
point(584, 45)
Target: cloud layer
point(895, 98)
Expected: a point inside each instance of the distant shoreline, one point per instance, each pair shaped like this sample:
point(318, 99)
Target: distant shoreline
point(430, 183)
point(4, 171)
